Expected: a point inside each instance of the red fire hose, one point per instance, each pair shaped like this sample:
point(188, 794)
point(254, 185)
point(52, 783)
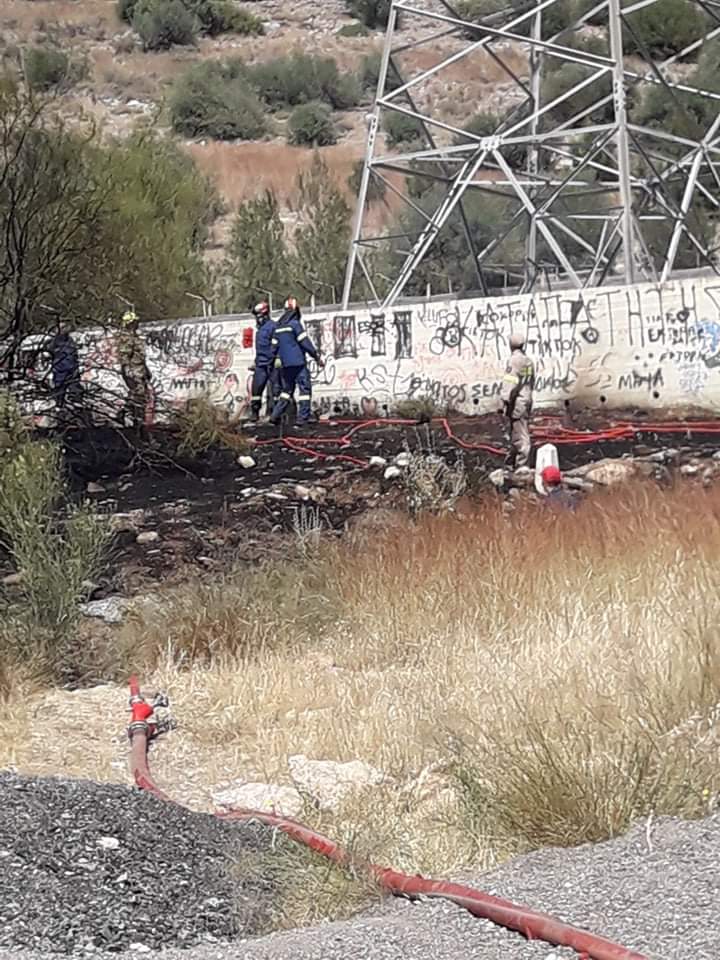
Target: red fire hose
point(531, 924)
point(549, 431)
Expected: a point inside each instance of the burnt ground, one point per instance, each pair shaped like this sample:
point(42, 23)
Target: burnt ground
point(210, 512)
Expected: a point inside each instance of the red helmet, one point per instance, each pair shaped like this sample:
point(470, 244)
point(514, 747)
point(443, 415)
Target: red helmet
point(551, 476)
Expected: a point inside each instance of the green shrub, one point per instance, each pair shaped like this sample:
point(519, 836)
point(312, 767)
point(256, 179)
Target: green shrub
point(370, 74)
point(55, 557)
point(47, 67)
point(401, 129)
point(126, 9)
point(161, 24)
point(220, 16)
point(353, 30)
point(300, 78)
point(211, 17)
point(311, 124)
point(664, 27)
point(373, 13)
point(376, 187)
point(215, 100)
point(485, 124)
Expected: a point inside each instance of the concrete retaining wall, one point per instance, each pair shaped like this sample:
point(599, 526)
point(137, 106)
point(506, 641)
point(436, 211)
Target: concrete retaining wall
point(653, 346)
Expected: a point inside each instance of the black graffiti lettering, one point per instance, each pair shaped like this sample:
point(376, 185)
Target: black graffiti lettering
point(641, 381)
point(403, 334)
point(344, 336)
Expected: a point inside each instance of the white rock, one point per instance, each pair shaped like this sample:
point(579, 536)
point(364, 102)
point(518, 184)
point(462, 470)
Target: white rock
point(497, 477)
point(246, 462)
point(392, 472)
point(93, 487)
point(377, 461)
point(329, 782)
point(111, 609)
point(127, 522)
point(609, 472)
point(140, 948)
point(108, 843)
point(689, 469)
point(402, 459)
point(272, 495)
point(149, 536)
point(12, 580)
point(302, 492)
point(271, 797)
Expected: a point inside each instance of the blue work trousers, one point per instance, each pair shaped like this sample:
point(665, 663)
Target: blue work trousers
point(291, 377)
point(266, 375)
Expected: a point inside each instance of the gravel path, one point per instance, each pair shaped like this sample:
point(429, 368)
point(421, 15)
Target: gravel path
point(107, 867)
point(655, 890)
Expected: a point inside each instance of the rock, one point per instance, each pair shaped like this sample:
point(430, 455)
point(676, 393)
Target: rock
point(402, 460)
point(93, 487)
point(111, 609)
point(246, 462)
point(285, 801)
point(577, 483)
point(690, 469)
point(127, 522)
point(497, 478)
point(12, 580)
point(608, 472)
point(108, 843)
point(392, 472)
point(302, 492)
point(377, 461)
point(329, 782)
point(524, 477)
point(318, 494)
point(149, 536)
point(248, 491)
point(272, 495)
point(140, 948)
point(664, 456)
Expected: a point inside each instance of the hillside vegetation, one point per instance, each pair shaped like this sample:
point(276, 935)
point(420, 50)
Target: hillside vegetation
point(250, 90)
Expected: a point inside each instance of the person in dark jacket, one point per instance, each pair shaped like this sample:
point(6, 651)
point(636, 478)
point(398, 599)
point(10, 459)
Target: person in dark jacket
point(292, 346)
point(65, 367)
point(557, 497)
point(266, 372)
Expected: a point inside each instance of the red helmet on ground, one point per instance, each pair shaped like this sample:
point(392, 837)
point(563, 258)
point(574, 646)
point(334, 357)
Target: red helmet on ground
point(551, 476)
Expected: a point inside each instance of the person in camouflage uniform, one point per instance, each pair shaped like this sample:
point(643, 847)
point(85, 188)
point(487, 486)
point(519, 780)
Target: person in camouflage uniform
point(517, 399)
point(134, 369)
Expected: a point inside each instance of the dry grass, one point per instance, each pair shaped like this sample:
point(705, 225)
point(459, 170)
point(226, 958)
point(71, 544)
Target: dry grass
point(557, 676)
point(25, 17)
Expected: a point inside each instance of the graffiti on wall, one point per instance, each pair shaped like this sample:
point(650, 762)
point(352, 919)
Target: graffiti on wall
point(645, 346)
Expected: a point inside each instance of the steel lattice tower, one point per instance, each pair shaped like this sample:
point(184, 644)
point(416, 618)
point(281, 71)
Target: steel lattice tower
point(599, 186)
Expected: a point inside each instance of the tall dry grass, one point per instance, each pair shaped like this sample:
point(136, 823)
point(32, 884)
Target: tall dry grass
point(558, 672)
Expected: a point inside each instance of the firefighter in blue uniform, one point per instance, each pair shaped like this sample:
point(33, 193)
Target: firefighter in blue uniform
point(265, 371)
point(292, 347)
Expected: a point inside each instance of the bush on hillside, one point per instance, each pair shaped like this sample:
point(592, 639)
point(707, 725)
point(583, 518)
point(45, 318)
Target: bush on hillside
point(370, 74)
point(301, 78)
point(376, 187)
point(215, 100)
point(485, 124)
point(221, 16)
point(211, 17)
point(401, 129)
point(373, 13)
point(161, 24)
point(353, 30)
point(663, 28)
point(48, 67)
point(311, 125)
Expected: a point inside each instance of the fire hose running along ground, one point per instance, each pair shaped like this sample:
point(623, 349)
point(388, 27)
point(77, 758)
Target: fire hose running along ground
point(547, 431)
point(529, 923)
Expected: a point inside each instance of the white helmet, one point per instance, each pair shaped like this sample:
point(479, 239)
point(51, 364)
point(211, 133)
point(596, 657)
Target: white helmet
point(517, 341)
